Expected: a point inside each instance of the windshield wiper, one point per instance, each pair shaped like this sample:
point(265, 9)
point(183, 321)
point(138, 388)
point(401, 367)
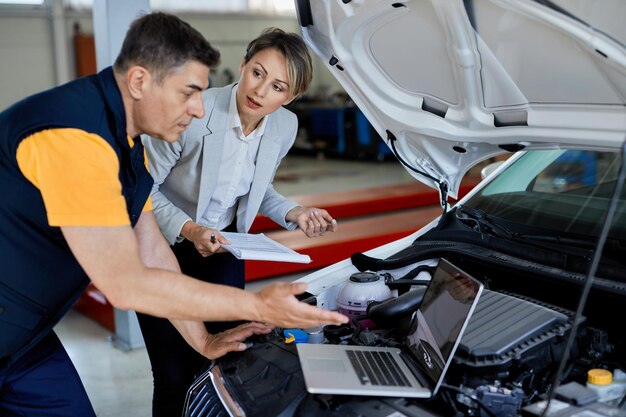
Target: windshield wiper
point(485, 225)
point(614, 245)
point(580, 243)
point(574, 246)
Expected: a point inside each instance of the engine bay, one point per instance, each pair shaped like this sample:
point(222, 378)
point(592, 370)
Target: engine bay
point(507, 358)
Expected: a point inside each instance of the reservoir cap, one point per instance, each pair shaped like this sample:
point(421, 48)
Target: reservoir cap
point(599, 376)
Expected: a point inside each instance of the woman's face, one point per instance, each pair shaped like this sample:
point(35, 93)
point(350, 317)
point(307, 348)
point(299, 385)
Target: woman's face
point(263, 87)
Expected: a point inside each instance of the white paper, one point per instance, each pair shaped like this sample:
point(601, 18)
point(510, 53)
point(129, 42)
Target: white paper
point(261, 248)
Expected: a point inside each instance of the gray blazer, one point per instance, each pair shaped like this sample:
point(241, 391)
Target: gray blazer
point(185, 172)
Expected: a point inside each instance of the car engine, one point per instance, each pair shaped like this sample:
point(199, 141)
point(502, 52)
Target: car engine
point(507, 359)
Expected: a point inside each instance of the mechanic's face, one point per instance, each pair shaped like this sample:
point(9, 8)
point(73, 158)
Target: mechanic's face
point(166, 109)
point(263, 87)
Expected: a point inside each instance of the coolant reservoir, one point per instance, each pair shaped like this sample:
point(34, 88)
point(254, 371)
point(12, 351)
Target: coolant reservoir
point(601, 381)
point(362, 289)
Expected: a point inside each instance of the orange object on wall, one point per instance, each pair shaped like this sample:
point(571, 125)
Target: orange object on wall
point(84, 52)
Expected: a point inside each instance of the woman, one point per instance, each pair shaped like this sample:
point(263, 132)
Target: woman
point(217, 177)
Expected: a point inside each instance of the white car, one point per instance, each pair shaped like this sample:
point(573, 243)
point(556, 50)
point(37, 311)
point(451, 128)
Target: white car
point(448, 84)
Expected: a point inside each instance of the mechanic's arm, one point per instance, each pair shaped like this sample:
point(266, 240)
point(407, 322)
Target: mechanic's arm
point(110, 257)
point(156, 253)
point(64, 164)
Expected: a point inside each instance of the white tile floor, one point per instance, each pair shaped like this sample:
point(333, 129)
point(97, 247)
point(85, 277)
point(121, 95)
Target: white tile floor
point(120, 383)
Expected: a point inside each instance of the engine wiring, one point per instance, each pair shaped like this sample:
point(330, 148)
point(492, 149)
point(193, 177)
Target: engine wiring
point(471, 397)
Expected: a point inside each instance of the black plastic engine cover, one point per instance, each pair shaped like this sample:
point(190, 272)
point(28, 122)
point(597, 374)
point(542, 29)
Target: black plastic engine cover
point(504, 330)
point(266, 380)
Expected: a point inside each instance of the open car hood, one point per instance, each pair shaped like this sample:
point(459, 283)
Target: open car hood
point(456, 82)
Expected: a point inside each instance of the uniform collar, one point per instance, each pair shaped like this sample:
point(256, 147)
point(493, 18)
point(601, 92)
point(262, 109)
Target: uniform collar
point(114, 103)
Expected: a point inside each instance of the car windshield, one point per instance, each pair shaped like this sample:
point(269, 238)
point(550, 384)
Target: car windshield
point(556, 194)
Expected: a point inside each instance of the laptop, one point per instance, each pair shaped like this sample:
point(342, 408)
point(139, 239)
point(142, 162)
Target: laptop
point(418, 367)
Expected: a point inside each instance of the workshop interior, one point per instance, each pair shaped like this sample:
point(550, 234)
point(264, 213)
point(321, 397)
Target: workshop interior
point(473, 154)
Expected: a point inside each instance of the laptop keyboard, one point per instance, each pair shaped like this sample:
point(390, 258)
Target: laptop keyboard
point(377, 368)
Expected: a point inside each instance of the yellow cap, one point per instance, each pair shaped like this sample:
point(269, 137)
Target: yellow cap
point(599, 376)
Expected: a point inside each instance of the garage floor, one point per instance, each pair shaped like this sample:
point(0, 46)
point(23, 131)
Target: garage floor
point(120, 383)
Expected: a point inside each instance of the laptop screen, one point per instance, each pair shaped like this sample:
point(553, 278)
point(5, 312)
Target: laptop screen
point(440, 319)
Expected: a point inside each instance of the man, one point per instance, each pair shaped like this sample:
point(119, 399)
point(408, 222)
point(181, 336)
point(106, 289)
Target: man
point(75, 207)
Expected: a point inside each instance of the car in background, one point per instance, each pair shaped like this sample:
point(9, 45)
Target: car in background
point(449, 84)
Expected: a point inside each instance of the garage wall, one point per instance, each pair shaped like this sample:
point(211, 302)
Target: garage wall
point(231, 34)
point(26, 47)
point(27, 59)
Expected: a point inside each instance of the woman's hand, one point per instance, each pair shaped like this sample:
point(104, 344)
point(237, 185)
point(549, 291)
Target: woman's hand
point(206, 240)
point(312, 221)
point(231, 340)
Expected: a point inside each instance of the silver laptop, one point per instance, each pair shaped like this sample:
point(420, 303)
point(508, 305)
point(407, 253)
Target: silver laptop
point(417, 369)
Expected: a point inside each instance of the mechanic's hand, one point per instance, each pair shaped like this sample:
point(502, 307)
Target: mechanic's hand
point(232, 340)
point(312, 221)
point(207, 241)
point(278, 305)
